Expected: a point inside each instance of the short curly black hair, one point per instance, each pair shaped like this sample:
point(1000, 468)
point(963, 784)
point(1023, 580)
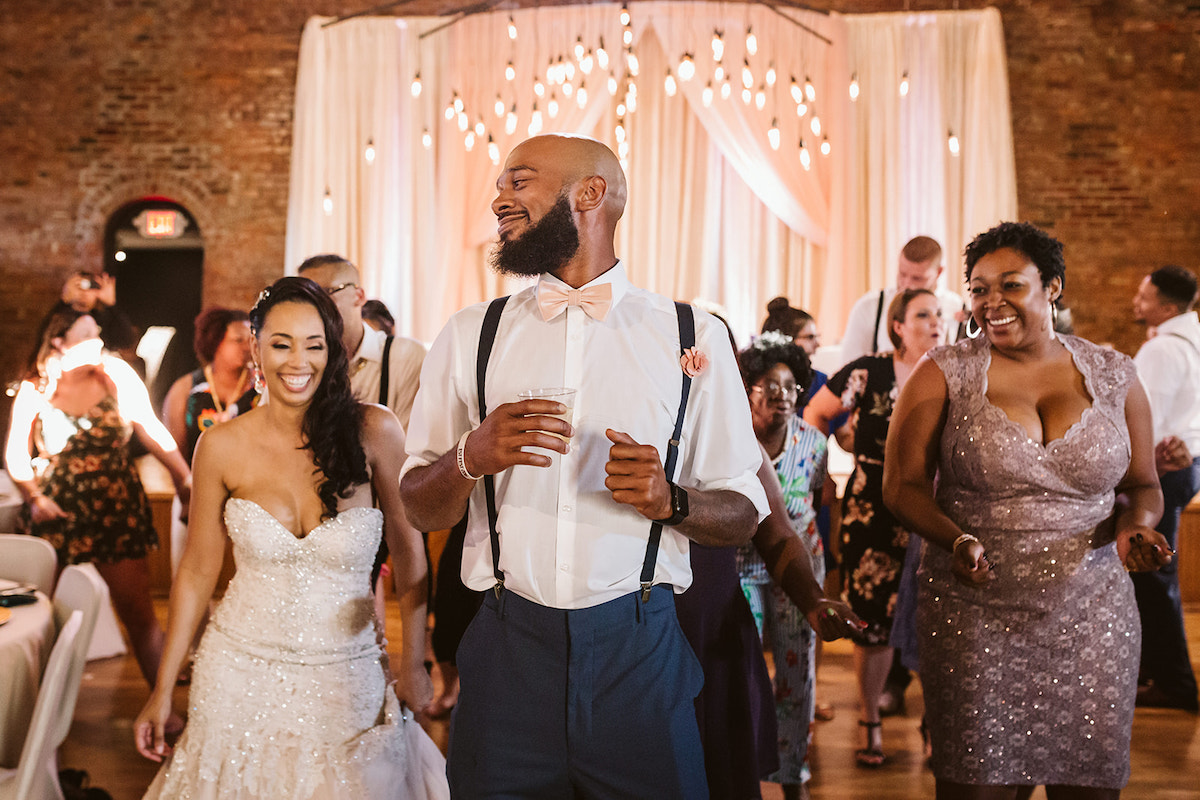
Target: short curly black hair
point(758, 359)
point(1041, 248)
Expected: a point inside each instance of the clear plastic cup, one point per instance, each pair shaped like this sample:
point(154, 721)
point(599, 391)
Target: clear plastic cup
point(558, 394)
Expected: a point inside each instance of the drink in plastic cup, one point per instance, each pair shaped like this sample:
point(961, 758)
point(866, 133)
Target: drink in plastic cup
point(558, 394)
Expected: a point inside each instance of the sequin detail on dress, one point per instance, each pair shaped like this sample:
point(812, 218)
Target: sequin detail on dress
point(1031, 678)
point(288, 696)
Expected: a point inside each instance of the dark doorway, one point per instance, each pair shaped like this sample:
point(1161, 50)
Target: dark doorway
point(154, 249)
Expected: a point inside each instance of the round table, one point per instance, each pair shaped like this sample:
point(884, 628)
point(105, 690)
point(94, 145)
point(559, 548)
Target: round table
point(25, 643)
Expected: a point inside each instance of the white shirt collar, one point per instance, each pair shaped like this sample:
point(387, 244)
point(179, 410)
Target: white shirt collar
point(615, 276)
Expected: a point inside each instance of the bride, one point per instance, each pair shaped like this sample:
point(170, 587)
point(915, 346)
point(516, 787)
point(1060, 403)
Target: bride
point(290, 695)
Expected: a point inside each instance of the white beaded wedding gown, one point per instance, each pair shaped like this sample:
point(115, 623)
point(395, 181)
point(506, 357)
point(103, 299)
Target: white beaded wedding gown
point(288, 698)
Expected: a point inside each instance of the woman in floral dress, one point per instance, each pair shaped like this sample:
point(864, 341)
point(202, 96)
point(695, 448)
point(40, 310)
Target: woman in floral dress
point(873, 541)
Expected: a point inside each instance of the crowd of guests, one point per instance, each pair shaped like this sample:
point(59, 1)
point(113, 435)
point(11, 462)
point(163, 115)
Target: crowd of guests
point(618, 567)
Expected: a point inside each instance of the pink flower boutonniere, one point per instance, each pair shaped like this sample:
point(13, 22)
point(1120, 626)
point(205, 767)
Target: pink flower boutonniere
point(693, 362)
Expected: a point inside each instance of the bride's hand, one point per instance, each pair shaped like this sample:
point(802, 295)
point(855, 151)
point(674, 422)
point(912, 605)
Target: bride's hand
point(149, 729)
point(414, 687)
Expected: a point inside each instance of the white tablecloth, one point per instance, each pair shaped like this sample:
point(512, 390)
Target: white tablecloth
point(25, 643)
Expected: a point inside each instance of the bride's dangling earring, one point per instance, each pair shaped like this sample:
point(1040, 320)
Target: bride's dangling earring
point(260, 385)
point(973, 333)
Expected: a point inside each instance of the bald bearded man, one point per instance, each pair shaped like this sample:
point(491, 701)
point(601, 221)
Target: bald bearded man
point(576, 680)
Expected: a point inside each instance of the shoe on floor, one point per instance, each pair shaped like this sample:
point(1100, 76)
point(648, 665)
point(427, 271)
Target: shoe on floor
point(1153, 697)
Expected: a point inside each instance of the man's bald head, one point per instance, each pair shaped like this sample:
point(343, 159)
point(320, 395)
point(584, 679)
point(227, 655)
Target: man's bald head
point(578, 158)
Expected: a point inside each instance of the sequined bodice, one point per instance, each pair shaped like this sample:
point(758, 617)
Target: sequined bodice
point(307, 596)
point(1042, 502)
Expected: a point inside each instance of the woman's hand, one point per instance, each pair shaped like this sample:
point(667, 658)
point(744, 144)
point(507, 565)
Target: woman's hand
point(832, 619)
point(42, 509)
point(970, 565)
point(150, 727)
point(414, 687)
point(1143, 549)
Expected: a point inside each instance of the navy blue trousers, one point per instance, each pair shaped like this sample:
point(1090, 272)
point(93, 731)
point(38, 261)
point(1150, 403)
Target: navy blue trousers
point(1165, 657)
point(590, 703)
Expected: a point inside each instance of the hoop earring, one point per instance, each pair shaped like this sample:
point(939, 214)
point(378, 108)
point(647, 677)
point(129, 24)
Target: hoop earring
point(972, 334)
point(1053, 315)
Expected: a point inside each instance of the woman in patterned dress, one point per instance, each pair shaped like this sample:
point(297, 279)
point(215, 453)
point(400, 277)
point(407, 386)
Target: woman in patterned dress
point(1030, 638)
point(75, 412)
point(782, 570)
point(873, 541)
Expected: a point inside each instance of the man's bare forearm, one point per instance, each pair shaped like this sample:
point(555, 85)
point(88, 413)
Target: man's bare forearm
point(719, 518)
point(435, 496)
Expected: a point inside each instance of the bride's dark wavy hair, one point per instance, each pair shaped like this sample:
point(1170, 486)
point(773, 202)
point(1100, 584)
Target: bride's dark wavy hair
point(332, 422)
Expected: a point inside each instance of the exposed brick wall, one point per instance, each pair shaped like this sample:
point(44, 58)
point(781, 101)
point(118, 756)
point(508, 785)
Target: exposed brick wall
point(104, 102)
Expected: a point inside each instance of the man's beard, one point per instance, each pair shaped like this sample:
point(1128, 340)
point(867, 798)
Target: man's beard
point(544, 247)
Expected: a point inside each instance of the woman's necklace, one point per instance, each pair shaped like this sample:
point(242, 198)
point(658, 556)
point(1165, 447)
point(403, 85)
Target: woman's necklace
point(216, 398)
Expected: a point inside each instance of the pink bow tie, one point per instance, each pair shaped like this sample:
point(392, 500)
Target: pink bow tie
point(594, 300)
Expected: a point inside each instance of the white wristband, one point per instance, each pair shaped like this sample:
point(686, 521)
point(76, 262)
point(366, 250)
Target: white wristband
point(963, 539)
point(462, 461)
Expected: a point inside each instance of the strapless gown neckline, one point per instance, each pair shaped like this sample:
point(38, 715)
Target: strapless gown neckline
point(343, 516)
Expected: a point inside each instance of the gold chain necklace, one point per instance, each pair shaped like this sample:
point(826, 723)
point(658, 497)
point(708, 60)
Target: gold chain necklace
point(212, 389)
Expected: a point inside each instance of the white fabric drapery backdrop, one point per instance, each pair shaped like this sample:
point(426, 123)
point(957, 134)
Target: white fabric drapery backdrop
point(713, 212)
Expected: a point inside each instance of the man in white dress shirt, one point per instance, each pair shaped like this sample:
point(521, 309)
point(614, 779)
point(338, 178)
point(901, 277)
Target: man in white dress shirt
point(1169, 366)
point(576, 681)
point(919, 267)
point(367, 346)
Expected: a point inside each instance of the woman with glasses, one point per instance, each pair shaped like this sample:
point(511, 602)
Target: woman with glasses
point(873, 541)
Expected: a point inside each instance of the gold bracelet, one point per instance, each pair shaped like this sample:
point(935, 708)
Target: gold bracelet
point(963, 539)
point(460, 457)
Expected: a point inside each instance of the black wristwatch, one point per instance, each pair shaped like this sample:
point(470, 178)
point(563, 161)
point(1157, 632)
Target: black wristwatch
point(679, 505)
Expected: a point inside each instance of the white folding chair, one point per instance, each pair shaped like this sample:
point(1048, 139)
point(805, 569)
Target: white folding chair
point(36, 775)
point(79, 589)
point(28, 559)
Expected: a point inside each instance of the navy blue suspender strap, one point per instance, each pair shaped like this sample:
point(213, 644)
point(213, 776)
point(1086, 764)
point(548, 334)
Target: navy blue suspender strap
point(687, 339)
point(384, 377)
point(487, 337)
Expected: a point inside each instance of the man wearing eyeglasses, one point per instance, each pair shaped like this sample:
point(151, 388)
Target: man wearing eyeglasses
point(368, 347)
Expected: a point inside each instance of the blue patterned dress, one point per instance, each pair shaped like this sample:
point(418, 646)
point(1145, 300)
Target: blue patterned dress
point(801, 468)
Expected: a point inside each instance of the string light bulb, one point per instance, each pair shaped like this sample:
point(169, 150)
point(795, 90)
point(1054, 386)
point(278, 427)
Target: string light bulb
point(760, 98)
point(805, 156)
point(499, 106)
point(369, 153)
point(510, 72)
point(770, 76)
point(586, 64)
point(480, 128)
point(810, 91)
point(627, 37)
point(631, 63)
point(706, 95)
point(797, 92)
point(825, 147)
point(539, 88)
point(469, 141)
point(854, 87)
point(773, 134)
point(904, 84)
point(458, 104)
point(747, 75)
point(602, 55)
point(747, 96)
point(552, 107)
point(801, 109)
point(327, 202)
point(619, 131)
point(726, 90)
point(952, 143)
point(718, 45)
point(751, 41)
point(426, 139)
point(450, 111)
point(416, 84)
point(669, 84)
point(687, 67)
point(718, 72)
point(567, 88)
point(493, 150)
point(510, 121)
point(512, 28)
point(579, 48)
point(463, 122)
point(815, 125)
point(581, 96)
point(624, 15)
point(535, 120)
point(612, 85)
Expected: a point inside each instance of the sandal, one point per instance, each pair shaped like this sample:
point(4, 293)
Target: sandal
point(871, 756)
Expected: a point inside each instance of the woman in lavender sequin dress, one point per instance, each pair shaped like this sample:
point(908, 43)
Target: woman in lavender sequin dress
point(1030, 634)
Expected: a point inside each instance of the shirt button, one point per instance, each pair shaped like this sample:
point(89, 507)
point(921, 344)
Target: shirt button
point(566, 509)
point(563, 566)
